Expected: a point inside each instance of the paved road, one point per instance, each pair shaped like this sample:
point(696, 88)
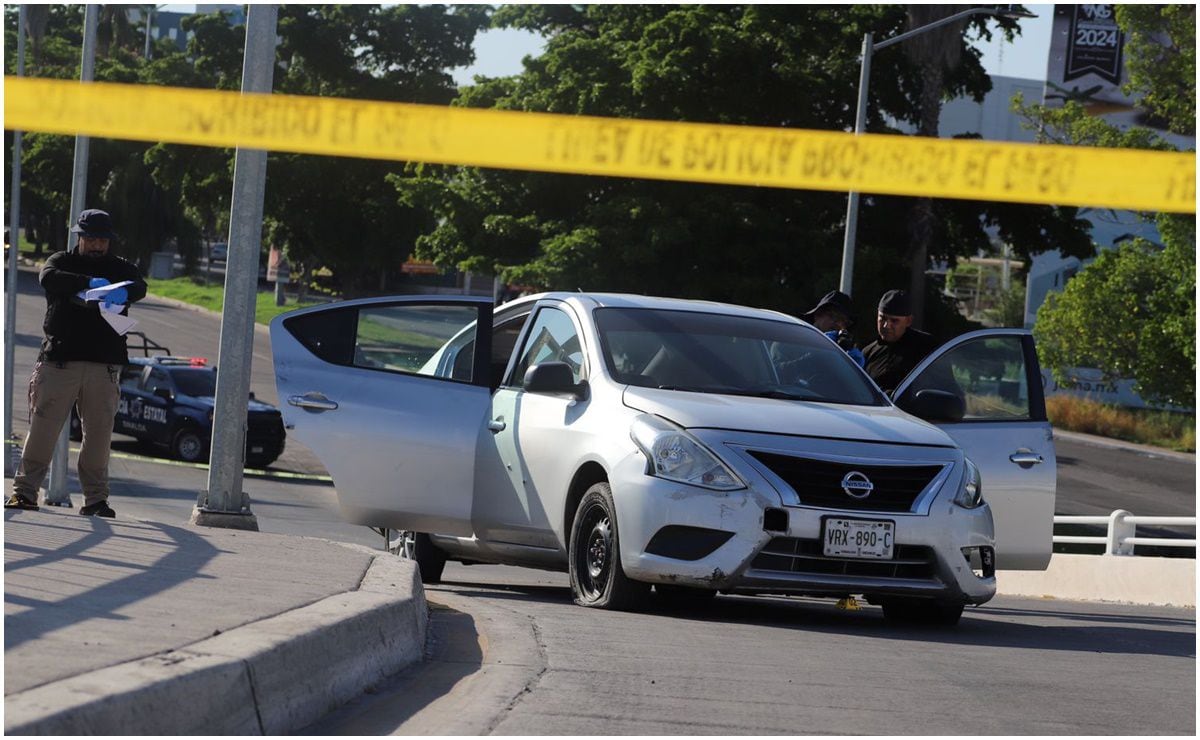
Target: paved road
point(747, 665)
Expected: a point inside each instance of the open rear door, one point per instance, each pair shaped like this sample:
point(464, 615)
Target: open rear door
point(1004, 432)
point(391, 394)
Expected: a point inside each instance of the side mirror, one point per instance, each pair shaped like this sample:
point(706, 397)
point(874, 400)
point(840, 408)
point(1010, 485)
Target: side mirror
point(554, 378)
point(934, 405)
point(251, 395)
point(164, 393)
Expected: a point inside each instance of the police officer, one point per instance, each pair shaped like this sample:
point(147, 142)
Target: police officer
point(899, 348)
point(79, 364)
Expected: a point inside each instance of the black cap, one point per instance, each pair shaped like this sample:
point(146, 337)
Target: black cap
point(835, 300)
point(94, 223)
point(895, 303)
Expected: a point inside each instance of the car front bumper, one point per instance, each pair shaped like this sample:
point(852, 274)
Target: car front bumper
point(739, 555)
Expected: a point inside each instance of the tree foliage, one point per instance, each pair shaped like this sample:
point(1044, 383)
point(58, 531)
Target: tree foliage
point(767, 65)
point(1131, 314)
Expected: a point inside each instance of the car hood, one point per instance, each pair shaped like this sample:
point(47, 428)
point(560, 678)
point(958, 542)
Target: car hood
point(775, 416)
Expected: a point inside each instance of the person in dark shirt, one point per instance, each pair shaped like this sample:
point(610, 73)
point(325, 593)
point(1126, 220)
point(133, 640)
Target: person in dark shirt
point(79, 365)
point(899, 348)
point(834, 315)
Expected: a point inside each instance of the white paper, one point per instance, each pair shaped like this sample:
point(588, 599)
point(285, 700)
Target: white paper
point(97, 294)
point(119, 323)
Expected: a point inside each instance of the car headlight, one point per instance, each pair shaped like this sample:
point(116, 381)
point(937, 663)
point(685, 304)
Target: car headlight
point(673, 454)
point(970, 492)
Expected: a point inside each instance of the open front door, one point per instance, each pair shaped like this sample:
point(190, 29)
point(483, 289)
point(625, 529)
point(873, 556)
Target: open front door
point(1004, 432)
point(391, 394)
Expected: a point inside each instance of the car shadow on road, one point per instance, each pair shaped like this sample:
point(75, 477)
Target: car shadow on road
point(1085, 630)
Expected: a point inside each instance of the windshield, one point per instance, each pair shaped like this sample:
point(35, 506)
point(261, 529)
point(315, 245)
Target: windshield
point(197, 383)
point(718, 353)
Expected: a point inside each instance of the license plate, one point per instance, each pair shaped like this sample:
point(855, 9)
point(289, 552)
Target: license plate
point(256, 449)
point(859, 538)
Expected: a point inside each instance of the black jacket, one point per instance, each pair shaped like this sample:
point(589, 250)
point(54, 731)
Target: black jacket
point(74, 329)
point(888, 364)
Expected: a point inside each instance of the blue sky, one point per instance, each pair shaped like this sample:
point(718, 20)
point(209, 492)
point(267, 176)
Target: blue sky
point(499, 52)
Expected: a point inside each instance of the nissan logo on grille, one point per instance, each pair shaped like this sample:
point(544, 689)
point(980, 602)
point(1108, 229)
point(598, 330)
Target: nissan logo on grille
point(857, 485)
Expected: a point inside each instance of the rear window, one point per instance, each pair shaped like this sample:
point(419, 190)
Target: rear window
point(734, 355)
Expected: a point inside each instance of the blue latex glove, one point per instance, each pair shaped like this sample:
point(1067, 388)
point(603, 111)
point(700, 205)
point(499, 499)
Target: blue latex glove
point(97, 283)
point(120, 295)
point(854, 352)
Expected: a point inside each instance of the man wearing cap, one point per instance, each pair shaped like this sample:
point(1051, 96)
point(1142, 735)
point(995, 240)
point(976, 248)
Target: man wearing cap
point(79, 364)
point(834, 315)
point(899, 348)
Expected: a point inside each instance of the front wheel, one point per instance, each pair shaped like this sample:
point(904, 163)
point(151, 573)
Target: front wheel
point(417, 547)
point(597, 578)
point(922, 611)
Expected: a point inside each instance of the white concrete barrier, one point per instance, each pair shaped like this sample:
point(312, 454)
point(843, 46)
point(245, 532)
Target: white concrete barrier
point(1124, 579)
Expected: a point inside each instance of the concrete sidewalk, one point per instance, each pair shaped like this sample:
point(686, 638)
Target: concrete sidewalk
point(126, 626)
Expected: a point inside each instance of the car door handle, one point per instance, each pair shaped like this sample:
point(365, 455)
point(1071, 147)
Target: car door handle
point(497, 425)
point(313, 402)
point(1025, 458)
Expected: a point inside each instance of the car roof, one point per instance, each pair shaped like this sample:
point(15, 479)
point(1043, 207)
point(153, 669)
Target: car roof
point(590, 301)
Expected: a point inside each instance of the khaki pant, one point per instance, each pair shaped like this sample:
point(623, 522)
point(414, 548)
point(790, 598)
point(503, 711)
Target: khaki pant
point(54, 388)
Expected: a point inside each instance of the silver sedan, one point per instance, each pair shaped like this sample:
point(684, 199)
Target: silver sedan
point(681, 446)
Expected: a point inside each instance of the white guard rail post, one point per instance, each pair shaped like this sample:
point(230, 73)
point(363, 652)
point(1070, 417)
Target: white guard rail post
point(1121, 536)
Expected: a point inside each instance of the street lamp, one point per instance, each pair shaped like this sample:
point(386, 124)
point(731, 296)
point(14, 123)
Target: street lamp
point(860, 118)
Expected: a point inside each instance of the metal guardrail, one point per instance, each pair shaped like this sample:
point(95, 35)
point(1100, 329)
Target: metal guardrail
point(1122, 531)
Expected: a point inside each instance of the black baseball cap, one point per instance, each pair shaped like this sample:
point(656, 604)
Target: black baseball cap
point(836, 300)
point(895, 303)
point(94, 223)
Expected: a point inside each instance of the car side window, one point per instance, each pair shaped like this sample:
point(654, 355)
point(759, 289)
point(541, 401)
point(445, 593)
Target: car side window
point(157, 379)
point(551, 338)
point(988, 373)
point(407, 338)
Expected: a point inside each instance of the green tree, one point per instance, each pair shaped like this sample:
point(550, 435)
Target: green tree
point(1132, 312)
point(769, 65)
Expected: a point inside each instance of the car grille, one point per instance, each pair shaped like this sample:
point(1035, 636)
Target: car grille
point(798, 555)
point(819, 482)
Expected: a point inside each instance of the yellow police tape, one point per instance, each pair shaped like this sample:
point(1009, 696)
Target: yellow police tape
point(709, 153)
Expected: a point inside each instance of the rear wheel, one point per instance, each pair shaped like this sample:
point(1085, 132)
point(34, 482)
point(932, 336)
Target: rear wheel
point(417, 547)
point(922, 611)
point(597, 578)
point(188, 445)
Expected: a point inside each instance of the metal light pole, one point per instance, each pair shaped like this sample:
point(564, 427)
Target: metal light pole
point(56, 489)
point(860, 118)
point(224, 503)
point(10, 296)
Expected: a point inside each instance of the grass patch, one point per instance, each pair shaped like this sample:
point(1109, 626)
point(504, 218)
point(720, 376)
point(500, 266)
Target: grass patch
point(1168, 429)
point(212, 297)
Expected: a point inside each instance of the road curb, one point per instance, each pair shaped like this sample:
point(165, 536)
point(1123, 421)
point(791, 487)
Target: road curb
point(269, 677)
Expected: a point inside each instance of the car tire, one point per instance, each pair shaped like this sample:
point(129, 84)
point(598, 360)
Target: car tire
point(682, 597)
point(597, 578)
point(419, 548)
point(188, 445)
point(76, 428)
point(922, 611)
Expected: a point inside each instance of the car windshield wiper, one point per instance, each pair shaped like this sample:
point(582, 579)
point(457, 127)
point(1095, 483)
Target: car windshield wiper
point(775, 393)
